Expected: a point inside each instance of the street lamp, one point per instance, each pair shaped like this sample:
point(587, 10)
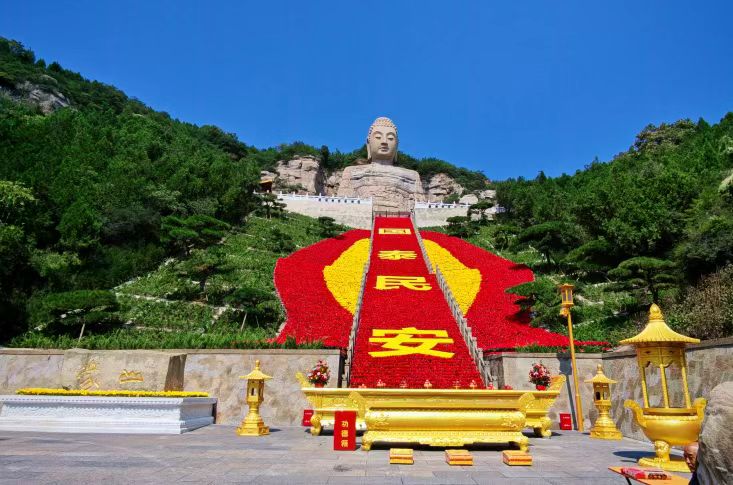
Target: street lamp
point(566, 295)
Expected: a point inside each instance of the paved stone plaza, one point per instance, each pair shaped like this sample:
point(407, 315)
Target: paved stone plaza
point(290, 456)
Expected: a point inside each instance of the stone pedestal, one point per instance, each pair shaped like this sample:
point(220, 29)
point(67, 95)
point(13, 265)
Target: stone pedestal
point(391, 188)
point(139, 370)
point(92, 414)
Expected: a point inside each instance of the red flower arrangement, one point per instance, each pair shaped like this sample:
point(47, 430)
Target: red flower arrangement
point(319, 374)
point(539, 375)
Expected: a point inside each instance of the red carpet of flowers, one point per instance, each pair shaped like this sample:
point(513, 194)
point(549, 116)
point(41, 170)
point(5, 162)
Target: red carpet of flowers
point(312, 311)
point(404, 308)
point(495, 319)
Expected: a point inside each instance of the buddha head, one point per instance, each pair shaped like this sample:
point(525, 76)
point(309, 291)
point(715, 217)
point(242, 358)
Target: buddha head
point(382, 141)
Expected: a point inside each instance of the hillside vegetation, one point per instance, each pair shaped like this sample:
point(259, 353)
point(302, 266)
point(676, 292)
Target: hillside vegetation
point(126, 228)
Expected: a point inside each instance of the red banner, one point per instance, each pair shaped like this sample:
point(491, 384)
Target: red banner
point(344, 431)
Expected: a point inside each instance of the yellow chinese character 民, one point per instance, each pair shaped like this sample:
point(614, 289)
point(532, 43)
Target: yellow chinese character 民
point(417, 283)
point(395, 255)
point(393, 231)
point(404, 342)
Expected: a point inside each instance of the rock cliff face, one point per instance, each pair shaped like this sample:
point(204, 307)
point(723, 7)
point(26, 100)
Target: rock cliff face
point(392, 188)
point(439, 187)
point(47, 98)
point(715, 458)
point(305, 172)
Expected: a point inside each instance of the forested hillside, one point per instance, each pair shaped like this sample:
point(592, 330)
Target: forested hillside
point(653, 224)
point(109, 209)
point(97, 188)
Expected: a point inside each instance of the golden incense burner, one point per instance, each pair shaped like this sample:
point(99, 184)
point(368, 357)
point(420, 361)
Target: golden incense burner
point(442, 417)
point(326, 401)
point(659, 346)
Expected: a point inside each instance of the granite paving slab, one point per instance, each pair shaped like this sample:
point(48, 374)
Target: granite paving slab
point(289, 456)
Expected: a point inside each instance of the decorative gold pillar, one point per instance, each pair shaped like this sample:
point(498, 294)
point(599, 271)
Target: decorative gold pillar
point(253, 425)
point(566, 294)
point(658, 347)
point(605, 428)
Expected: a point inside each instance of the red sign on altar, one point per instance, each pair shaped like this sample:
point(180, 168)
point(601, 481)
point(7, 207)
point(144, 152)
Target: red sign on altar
point(344, 431)
point(307, 415)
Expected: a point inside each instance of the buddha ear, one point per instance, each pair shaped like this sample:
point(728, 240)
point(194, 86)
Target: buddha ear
point(369, 150)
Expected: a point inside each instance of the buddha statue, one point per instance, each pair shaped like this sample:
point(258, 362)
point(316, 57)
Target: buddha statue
point(391, 188)
point(382, 142)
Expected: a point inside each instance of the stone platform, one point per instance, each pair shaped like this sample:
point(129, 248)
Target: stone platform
point(292, 456)
point(96, 414)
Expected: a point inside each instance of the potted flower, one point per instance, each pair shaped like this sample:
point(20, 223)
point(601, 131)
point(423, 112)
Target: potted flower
point(539, 376)
point(319, 374)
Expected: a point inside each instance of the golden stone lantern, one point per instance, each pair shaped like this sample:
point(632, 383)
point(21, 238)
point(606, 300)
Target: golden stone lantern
point(252, 424)
point(604, 428)
point(659, 347)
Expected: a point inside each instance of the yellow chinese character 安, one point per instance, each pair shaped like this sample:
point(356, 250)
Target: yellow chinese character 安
point(394, 231)
point(395, 255)
point(417, 283)
point(405, 342)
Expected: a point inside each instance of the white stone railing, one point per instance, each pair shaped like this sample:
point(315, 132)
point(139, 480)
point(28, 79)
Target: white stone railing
point(439, 205)
point(476, 353)
point(357, 312)
point(325, 198)
point(421, 243)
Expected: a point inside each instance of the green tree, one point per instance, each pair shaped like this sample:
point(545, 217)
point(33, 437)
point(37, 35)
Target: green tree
point(270, 206)
point(197, 231)
point(553, 239)
point(327, 227)
point(481, 209)
point(250, 300)
point(75, 309)
point(461, 226)
point(202, 265)
point(646, 275)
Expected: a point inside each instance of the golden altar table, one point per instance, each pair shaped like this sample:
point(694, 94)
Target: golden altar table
point(442, 417)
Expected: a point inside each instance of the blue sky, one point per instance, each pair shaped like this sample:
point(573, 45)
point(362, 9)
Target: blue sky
point(509, 89)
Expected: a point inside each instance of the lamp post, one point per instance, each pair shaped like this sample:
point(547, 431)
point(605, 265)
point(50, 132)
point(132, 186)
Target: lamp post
point(566, 294)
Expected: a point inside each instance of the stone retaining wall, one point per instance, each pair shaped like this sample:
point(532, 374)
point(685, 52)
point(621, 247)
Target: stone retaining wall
point(214, 371)
point(709, 364)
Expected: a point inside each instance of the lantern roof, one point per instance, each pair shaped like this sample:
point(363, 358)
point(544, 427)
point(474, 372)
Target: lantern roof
point(657, 331)
point(256, 374)
point(600, 377)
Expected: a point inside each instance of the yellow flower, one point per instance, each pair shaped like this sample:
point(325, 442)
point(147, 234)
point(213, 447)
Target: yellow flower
point(343, 277)
point(463, 282)
point(40, 391)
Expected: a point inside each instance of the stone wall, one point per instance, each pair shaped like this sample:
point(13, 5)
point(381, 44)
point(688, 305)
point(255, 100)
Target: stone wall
point(437, 217)
point(709, 364)
point(358, 216)
point(214, 371)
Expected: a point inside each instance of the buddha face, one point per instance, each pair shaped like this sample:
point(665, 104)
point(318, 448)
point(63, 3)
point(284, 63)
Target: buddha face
point(382, 142)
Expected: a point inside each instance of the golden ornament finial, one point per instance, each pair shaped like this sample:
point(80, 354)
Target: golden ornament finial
point(655, 313)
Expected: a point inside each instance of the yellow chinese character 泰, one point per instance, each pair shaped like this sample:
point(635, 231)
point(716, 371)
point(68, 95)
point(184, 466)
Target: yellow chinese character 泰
point(397, 342)
point(395, 255)
point(394, 231)
point(344, 443)
point(344, 433)
point(417, 283)
point(85, 377)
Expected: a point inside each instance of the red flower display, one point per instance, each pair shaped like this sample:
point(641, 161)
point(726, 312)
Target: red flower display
point(398, 314)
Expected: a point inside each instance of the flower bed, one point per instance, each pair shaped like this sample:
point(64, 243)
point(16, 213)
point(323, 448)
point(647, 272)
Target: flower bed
point(40, 391)
point(399, 308)
point(313, 313)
